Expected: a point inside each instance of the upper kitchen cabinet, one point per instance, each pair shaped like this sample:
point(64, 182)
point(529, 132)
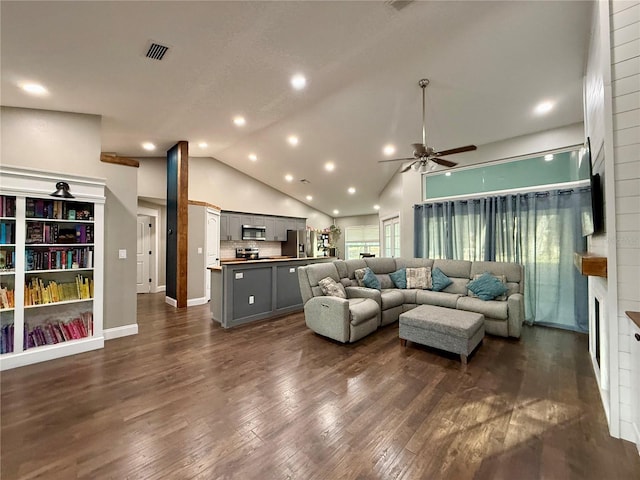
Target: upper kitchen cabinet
point(280, 229)
point(275, 227)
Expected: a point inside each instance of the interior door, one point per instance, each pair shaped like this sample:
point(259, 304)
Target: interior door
point(391, 237)
point(143, 254)
point(212, 247)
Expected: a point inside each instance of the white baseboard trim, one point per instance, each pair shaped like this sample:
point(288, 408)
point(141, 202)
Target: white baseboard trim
point(192, 302)
point(160, 288)
point(171, 301)
point(117, 332)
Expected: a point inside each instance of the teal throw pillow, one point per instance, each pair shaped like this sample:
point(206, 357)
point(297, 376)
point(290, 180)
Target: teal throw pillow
point(439, 281)
point(399, 278)
point(370, 280)
point(487, 287)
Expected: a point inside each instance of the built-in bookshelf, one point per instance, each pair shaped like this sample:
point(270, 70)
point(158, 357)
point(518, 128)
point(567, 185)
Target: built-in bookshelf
point(7, 271)
point(51, 267)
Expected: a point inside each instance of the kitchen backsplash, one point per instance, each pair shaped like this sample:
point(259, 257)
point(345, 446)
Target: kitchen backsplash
point(267, 249)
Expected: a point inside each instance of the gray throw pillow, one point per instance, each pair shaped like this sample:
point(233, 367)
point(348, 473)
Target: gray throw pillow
point(332, 288)
point(359, 274)
point(419, 277)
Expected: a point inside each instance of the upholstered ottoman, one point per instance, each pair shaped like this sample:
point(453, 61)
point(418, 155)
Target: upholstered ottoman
point(452, 330)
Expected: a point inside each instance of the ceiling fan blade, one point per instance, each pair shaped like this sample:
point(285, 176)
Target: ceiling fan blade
point(468, 148)
point(408, 167)
point(419, 149)
point(443, 161)
point(397, 160)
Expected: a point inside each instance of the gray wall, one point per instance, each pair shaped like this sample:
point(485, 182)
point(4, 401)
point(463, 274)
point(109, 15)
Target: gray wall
point(405, 189)
point(70, 143)
point(214, 182)
point(195, 260)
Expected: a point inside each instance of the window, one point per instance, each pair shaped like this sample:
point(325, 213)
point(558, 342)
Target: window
point(361, 239)
point(391, 228)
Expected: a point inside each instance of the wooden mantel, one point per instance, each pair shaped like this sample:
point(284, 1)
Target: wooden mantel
point(590, 264)
point(635, 318)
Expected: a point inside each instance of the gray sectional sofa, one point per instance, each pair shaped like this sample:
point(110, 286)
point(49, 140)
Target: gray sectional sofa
point(366, 309)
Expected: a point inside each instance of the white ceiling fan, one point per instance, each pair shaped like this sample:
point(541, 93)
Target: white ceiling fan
point(422, 153)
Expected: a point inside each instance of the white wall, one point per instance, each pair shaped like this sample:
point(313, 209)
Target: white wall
point(612, 121)
point(70, 143)
point(214, 182)
point(404, 190)
point(625, 91)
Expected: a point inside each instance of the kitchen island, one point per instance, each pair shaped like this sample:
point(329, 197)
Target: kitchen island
point(244, 291)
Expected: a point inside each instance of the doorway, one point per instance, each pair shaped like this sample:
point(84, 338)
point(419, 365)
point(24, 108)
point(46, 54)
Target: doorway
point(143, 254)
point(391, 236)
point(149, 274)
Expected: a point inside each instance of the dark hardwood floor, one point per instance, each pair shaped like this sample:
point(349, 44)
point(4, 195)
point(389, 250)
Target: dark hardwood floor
point(186, 399)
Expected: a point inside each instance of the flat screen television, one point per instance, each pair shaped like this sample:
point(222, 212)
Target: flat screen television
point(593, 211)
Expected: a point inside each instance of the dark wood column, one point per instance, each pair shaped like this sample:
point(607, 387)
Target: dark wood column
point(177, 222)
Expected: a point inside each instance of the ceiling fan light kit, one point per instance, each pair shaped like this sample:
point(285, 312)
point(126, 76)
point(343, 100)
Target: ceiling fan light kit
point(425, 158)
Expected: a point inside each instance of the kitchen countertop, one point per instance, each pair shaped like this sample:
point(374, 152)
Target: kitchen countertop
point(242, 261)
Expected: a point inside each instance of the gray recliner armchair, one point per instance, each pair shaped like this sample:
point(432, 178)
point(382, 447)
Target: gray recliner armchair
point(344, 320)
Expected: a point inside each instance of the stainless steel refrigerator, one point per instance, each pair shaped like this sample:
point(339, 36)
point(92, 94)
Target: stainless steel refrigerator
point(300, 244)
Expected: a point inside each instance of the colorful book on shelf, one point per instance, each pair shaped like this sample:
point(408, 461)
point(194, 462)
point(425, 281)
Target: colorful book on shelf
point(35, 233)
point(7, 298)
point(7, 206)
point(7, 233)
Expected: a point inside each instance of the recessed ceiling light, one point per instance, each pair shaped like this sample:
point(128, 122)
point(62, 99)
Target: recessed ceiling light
point(34, 89)
point(203, 145)
point(239, 121)
point(336, 212)
point(376, 207)
point(448, 174)
point(298, 81)
point(548, 157)
point(389, 149)
point(148, 146)
point(293, 140)
point(351, 190)
point(544, 107)
point(288, 177)
point(253, 157)
point(329, 166)
point(309, 198)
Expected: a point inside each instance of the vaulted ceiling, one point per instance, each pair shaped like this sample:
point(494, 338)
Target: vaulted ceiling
point(489, 64)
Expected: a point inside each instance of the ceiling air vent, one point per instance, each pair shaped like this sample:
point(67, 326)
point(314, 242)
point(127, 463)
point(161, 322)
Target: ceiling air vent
point(398, 4)
point(305, 181)
point(156, 51)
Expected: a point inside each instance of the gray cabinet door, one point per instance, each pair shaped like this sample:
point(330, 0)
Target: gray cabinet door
point(224, 227)
point(252, 292)
point(270, 227)
point(247, 220)
point(281, 229)
point(288, 293)
point(235, 227)
point(258, 221)
point(291, 224)
point(301, 224)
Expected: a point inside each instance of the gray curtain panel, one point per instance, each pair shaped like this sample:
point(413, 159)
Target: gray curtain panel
point(539, 230)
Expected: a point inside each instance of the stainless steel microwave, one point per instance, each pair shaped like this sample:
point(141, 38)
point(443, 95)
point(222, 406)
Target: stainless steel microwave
point(252, 232)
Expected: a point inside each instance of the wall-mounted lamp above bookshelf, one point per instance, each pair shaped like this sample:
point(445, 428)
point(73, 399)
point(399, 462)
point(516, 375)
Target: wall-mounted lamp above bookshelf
point(62, 191)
